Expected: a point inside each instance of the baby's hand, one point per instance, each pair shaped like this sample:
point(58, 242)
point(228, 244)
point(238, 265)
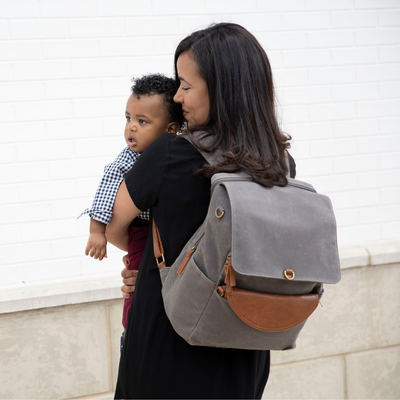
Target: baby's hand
point(97, 246)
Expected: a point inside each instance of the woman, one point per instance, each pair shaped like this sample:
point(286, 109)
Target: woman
point(225, 88)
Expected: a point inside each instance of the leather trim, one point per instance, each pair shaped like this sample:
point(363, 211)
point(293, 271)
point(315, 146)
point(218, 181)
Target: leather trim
point(271, 312)
point(263, 311)
point(158, 246)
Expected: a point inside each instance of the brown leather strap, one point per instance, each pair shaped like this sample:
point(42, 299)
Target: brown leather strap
point(158, 247)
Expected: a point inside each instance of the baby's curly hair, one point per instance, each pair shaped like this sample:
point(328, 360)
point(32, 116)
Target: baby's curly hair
point(160, 84)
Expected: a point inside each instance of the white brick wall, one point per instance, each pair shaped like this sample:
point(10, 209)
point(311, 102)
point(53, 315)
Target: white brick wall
point(65, 69)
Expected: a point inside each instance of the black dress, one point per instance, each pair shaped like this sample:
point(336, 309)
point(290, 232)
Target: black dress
point(155, 361)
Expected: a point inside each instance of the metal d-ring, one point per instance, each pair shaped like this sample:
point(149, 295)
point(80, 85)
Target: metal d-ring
point(289, 274)
point(220, 215)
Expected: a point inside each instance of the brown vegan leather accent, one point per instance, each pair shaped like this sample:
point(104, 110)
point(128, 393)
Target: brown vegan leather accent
point(158, 246)
point(182, 267)
point(271, 312)
point(263, 311)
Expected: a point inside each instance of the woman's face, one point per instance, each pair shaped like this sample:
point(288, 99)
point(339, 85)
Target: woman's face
point(192, 92)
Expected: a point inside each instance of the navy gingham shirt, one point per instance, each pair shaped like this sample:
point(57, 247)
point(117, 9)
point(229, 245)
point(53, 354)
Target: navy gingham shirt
point(114, 174)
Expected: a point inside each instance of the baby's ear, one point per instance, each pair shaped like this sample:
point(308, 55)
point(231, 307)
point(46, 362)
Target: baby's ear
point(173, 127)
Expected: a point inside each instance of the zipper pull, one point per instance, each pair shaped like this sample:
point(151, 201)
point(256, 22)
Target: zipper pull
point(230, 280)
point(181, 269)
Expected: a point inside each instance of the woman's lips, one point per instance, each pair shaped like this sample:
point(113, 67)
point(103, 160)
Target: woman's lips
point(184, 113)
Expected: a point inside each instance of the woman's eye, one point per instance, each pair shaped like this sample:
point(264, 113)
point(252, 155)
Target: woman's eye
point(185, 88)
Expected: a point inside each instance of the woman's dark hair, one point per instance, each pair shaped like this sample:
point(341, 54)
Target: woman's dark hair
point(242, 108)
point(152, 84)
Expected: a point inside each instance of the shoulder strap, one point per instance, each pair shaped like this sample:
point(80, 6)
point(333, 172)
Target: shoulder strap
point(287, 163)
point(211, 158)
point(158, 247)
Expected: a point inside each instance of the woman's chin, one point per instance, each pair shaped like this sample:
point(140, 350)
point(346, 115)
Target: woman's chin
point(192, 127)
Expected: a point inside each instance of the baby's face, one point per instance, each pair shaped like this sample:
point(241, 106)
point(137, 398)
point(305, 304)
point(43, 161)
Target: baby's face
point(146, 120)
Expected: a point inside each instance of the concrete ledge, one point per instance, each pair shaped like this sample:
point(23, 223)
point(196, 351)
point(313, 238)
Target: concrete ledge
point(349, 348)
point(353, 256)
point(374, 374)
point(298, 380)
point(53, 294)
point(89, 289)
point(384, 253)
point(372, 254)
point(371, 374)
point(57, 352)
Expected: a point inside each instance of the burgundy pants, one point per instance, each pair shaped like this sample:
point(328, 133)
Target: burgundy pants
point(137, 240)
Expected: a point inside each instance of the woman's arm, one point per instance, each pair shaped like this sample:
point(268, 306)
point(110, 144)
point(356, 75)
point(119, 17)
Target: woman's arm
point(124, 212)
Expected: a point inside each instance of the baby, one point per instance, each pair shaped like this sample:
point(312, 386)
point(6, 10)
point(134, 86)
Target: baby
point(150, 112)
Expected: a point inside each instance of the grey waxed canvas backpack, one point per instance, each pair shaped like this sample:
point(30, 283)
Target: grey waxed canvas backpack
point(254, 271)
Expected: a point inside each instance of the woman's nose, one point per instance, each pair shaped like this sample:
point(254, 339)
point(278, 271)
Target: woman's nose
point(178, 97)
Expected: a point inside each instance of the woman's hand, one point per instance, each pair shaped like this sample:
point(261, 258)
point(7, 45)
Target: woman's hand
point(128, 278)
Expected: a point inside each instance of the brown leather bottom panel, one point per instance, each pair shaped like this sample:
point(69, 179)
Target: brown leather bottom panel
point(271, 312)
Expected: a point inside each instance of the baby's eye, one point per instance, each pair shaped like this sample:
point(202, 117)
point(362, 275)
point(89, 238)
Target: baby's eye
point(128, 119)
point(142, 121)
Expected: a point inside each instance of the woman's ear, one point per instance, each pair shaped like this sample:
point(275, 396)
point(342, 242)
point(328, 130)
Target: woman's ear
point(173, 127)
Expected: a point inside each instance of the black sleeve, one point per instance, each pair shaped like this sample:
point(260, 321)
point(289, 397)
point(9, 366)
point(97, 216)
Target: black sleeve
point(145, 178)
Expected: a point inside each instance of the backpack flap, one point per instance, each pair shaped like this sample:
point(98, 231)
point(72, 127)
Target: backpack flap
point(280, 229)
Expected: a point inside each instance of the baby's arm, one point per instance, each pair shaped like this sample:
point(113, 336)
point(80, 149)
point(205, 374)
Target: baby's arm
point(97, 243)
